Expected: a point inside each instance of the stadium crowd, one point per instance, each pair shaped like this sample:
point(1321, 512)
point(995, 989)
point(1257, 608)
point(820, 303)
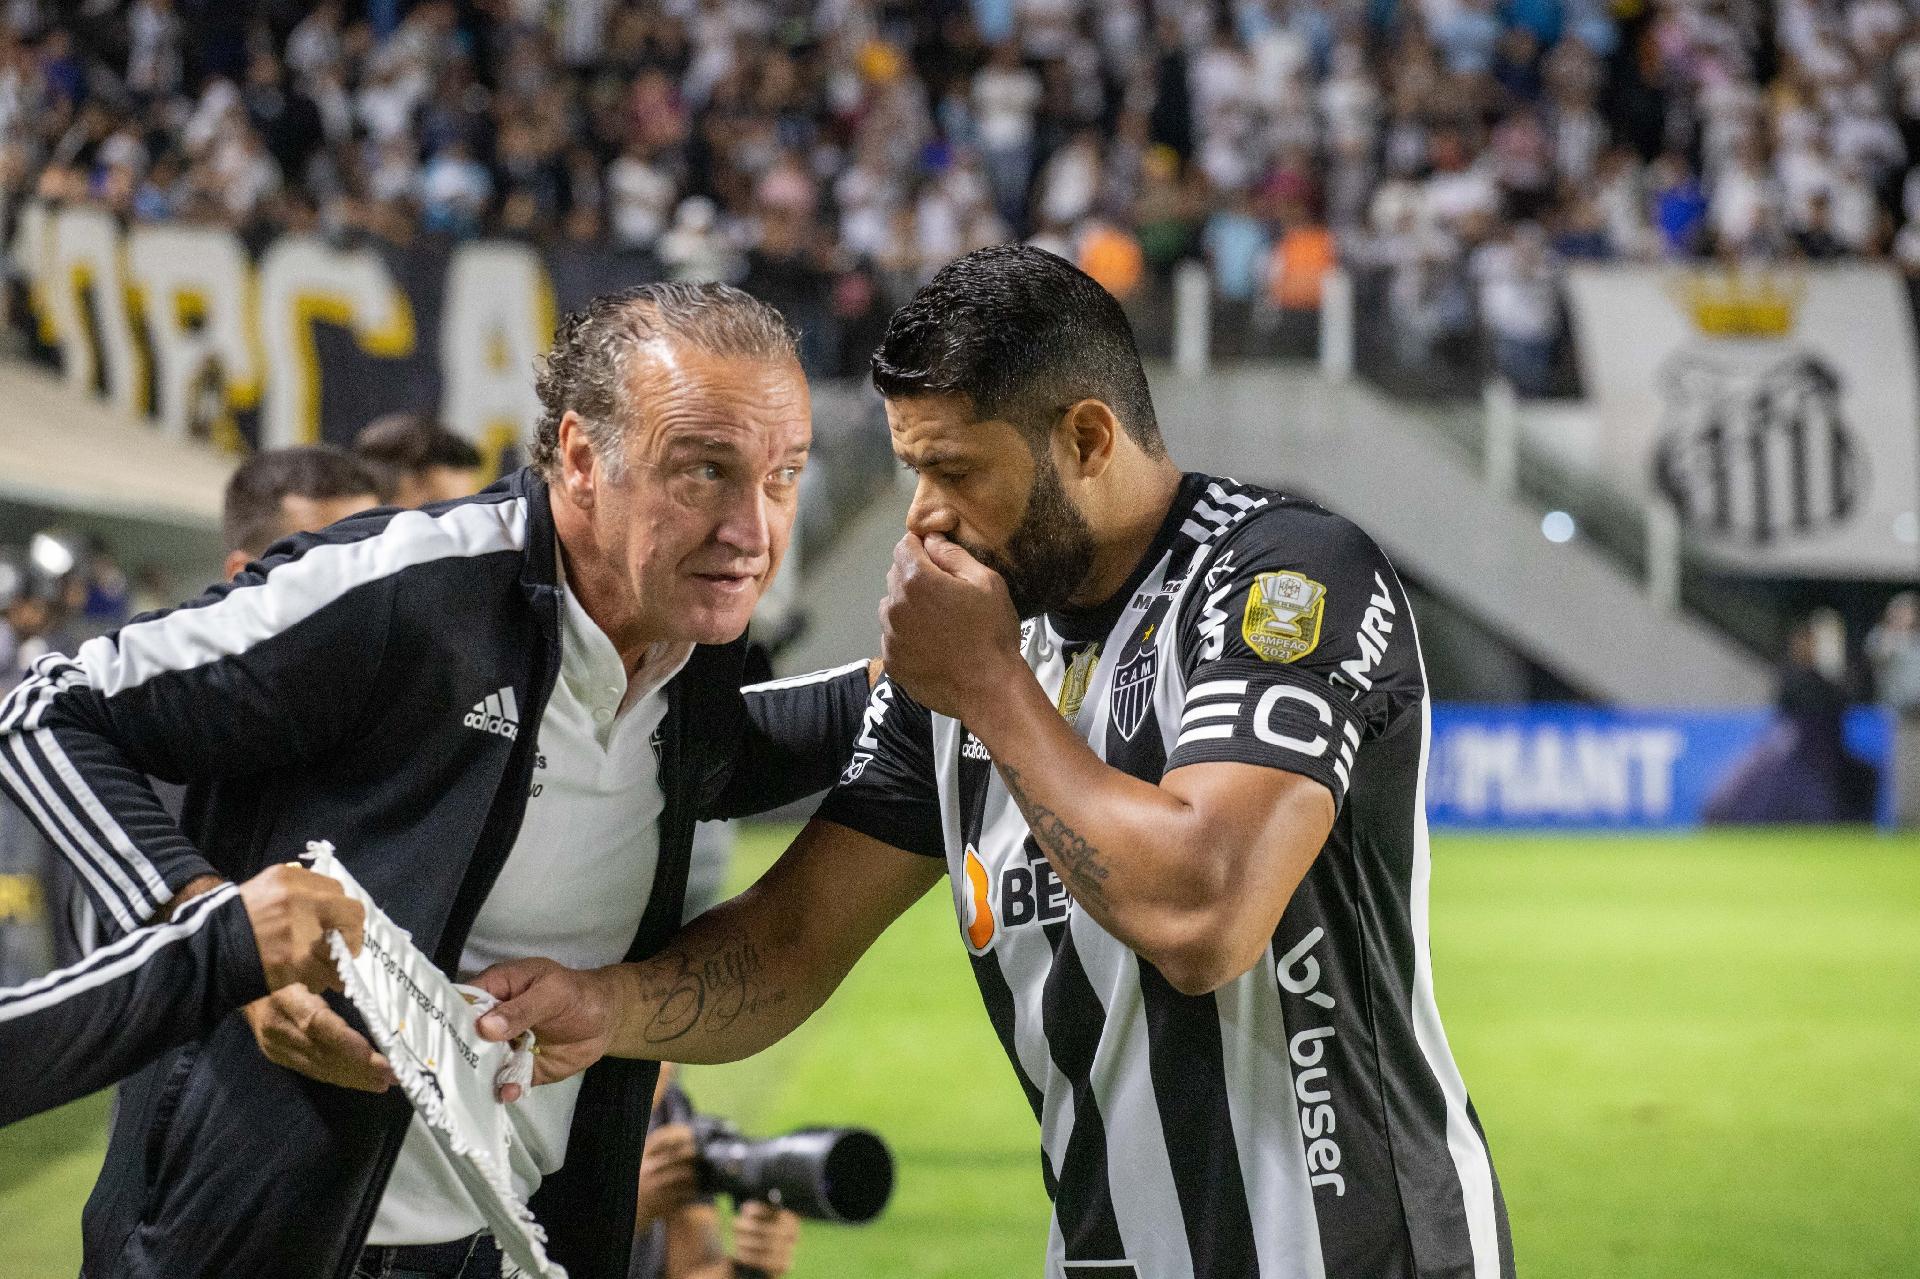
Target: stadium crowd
point(833, 153)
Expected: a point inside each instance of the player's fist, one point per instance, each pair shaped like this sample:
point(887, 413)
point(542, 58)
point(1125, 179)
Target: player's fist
point(949, 633)
point(292, 910)
point(569, 1010)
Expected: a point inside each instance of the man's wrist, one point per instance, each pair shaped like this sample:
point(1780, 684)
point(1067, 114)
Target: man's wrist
point(612, 988)
point(193, 888)
point(1001, 715)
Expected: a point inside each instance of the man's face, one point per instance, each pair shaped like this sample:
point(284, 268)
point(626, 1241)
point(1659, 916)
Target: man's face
point(301, 515)
point(437, 484)
point(697, 525)
point(310, 514)
point(984, 486)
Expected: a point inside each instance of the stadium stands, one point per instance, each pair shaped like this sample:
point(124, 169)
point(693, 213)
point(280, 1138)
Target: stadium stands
point(833, 155)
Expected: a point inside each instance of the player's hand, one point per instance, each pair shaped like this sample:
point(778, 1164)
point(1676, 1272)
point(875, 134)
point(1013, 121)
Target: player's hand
point(295, 1028)
point(569, 1010)
point(764, 1237)
point(291, 910)
point(669, 1175)
point(949, 634)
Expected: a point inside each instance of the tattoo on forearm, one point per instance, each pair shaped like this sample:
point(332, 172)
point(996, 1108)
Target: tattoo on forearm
point(1074, 859)
point(708, 988)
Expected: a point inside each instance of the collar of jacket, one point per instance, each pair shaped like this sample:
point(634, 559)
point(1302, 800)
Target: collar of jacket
point(539, 572)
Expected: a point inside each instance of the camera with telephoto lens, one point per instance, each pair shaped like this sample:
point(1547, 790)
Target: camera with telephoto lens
point(826, 1174)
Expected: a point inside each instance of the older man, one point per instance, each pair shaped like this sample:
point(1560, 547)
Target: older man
point(507, 714)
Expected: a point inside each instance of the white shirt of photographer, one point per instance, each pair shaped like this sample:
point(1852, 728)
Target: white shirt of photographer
point(573, 889)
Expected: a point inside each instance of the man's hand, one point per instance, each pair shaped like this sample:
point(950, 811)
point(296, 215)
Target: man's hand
point(569, 1010)
point(949, 635)
point(669, 1175)
point(295, 1028)
point(291, 910)
point(764, 1237)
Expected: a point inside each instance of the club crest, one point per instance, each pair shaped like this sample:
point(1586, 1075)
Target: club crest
point(1133, 689)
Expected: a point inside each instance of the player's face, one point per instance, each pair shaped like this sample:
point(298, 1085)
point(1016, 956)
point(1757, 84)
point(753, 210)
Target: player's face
point(983, 484)
point(696, 526)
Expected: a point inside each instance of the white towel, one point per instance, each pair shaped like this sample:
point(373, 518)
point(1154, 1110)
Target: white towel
point(424, 1024)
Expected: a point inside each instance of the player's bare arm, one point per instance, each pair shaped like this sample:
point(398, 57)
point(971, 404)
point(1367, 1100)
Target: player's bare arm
point(1193, 873)
point(735, 980)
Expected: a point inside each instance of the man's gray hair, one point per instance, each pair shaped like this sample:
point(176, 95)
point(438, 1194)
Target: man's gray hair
point(588, 369)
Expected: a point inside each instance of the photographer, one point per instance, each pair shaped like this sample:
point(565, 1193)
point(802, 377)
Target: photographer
point(677, 1228)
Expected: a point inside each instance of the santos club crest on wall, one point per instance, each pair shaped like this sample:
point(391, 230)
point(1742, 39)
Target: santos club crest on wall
point(1756, 452)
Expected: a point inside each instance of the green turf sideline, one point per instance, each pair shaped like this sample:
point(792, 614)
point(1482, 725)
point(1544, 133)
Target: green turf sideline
point(1694, 1056)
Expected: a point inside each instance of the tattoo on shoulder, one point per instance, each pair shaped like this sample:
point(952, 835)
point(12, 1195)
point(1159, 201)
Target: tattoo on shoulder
point(1074, 859)
point(709, 988)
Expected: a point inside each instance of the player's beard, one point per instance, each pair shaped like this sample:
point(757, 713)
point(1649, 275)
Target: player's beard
point(1048, 557)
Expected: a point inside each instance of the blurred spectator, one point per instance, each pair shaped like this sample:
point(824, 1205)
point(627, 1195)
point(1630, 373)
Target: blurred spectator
point(39, 589)
point(281, 492)
point(695, 248)
point(1893, 647)
point(454, 190)
point(1237, 246)
point(1301, 259)
point(676, 1226)
point(1802, 771)
point(1111, 255)
point(1520, 306)
point(416, 460)
point(109, 591)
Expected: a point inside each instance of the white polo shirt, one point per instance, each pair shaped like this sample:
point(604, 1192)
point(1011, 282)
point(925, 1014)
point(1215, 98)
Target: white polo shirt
point(573, 889)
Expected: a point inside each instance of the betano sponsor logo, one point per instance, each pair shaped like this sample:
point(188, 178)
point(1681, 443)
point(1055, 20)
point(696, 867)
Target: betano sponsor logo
point(1027, 892)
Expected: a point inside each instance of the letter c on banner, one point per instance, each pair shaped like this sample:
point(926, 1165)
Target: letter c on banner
point(303, 281)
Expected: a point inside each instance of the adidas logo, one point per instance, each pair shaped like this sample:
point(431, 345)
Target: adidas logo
point(496, 713)
point(974, 748)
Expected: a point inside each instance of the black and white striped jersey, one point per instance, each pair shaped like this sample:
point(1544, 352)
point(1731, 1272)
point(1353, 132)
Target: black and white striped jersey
point(1307, 1119)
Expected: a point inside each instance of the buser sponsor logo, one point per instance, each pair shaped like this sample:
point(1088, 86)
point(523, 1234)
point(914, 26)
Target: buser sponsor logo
point(1299, 974)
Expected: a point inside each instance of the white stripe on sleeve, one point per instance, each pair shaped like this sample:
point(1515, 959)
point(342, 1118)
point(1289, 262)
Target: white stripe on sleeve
point(295, 590)
point(57, 821)
point(110, 963)
point(801, 681)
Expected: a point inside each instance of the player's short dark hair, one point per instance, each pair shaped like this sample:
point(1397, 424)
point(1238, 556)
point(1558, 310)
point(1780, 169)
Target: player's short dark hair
point(412, 444)
point(586, 369)
point(250, 517)
point(1022, 333)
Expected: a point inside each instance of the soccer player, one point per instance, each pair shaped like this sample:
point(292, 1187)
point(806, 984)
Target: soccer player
point(1179, 808)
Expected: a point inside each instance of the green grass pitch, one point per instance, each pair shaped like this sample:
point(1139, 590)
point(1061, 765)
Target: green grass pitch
point(1694, 1057)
